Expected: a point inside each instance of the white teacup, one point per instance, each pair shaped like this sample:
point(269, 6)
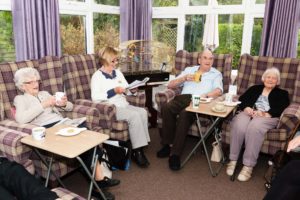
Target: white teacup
point(59, 95)
point(38, 133)
point(195, 100)
point(219, 106)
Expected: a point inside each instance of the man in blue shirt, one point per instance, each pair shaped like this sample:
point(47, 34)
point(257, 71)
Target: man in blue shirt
point(177, 121)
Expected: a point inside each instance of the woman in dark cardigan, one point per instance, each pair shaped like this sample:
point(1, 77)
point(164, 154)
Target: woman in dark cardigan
point(261, 107)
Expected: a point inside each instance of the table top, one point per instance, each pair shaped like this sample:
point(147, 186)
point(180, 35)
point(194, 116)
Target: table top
point(206, 109)
point(67, 146)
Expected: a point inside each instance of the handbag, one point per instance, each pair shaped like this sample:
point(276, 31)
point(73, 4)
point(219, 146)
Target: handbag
point(217, 153)
point(105, 165)
point(118, 156)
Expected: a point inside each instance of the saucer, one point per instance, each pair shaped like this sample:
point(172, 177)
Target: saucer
point(205, 100)
point(218, 111)
point(232, 104)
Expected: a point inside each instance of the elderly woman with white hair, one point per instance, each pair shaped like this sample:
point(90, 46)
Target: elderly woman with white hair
point(260, 109)
point(41, 108)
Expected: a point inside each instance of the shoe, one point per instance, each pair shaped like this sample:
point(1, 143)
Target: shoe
point(108, 195)
point(230, 167)
point(139, 158)
point(108, 182)
point(164, 152)
point(174, 162)
point(245, 173)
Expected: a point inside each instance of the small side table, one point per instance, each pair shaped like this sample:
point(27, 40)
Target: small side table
point(69, 147)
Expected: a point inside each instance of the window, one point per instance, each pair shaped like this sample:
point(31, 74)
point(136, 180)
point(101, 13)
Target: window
point(194, 28)
point(72, 30)
point(165, 32)
point(198, 2)
point(260, 1)
point(230, 36)
point(7, 47)
point(106, 30)
point(229, 2)
point(108, 2)
point(256, 36)
point(164, 3)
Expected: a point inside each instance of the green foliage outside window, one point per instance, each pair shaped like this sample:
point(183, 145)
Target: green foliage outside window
point(108, 2)
point(106, 31)
point(72, 30)
point(7, 47)
point(256, 36)
point(194, 29)
point(164, 3)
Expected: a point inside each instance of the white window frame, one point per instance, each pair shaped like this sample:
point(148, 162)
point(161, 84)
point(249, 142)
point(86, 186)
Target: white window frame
point(248, 8)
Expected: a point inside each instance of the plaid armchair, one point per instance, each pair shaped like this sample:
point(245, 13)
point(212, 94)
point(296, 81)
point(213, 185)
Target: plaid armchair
point(183, 59)
point(51, 75)
point(250, 72)
point(78, 70)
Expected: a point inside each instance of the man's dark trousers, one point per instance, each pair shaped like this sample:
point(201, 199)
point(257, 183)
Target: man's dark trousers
point(176, 122)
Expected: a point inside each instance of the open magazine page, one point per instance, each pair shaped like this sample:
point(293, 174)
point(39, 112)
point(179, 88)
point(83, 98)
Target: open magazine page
point(137, 83)
point(72, 122)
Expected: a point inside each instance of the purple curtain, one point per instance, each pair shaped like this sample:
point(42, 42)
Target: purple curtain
point(36, 28)
point(280, 29)
point(135, 19)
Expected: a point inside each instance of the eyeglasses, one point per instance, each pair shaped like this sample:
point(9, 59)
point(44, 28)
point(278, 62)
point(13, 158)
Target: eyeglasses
point(115, 60)
point(31, 82)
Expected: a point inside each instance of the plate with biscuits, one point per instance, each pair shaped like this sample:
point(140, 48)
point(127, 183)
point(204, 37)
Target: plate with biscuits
point(70, 131)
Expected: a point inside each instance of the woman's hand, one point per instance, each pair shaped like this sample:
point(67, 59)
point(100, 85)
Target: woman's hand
point(249, 111)
point(62, 102)
point(258, 113)
point(119, 90)
point(49, 102)
point(294, 143)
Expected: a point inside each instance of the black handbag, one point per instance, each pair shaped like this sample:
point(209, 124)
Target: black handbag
point(118, 156)
point(280, 159)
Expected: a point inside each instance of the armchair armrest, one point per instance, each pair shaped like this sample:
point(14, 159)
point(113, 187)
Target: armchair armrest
point(107, 112)
point(92, 115)
point(164, 97)
point(137, 100)
point(290, 117)
point(11, 146)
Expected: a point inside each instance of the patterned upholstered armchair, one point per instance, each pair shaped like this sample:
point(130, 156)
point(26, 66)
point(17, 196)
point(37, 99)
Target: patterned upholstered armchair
point(78, 70)
point(250, 71)
point(51, 75)
point(183, 59)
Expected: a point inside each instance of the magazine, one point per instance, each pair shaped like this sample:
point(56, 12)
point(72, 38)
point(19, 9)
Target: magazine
point(72, 122)
point(137, 83)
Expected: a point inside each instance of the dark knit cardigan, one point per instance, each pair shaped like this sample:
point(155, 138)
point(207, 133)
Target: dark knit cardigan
point(278, 99)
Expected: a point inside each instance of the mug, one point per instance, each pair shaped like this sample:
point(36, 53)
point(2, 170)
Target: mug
point(228, 97)
point(219, 106)
point(38, 133)
point(197, 76)
point(195, 100)
point(59, 95)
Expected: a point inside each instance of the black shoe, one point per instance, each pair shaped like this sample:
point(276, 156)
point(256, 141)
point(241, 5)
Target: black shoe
point(164, 152)
point(108, 182)
point(174, 162)
point(108, 195)
point(139, 157)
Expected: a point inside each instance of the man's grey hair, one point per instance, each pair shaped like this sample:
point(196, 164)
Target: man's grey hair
point(272, 70)
point(22, 75)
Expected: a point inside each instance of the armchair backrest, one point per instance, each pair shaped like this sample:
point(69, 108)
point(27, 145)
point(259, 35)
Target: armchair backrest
point(78, 71)
point(222, 62)
point(251, 68)
point(50, 71)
